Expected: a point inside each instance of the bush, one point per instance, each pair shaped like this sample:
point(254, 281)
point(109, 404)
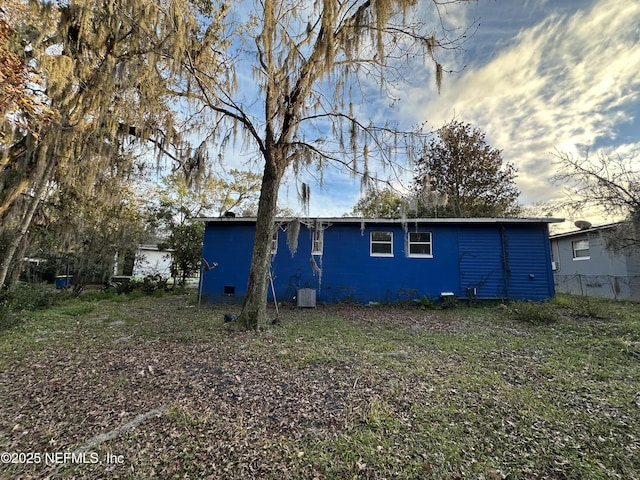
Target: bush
point(97, 295)
point(151, 285)
point(6, 319)
point(154, 284)
point(9, 319)
point(26, 296)
point(428, 303)
point(588, 307)
point(32, 296)
point(450, 302)
point(537, 313)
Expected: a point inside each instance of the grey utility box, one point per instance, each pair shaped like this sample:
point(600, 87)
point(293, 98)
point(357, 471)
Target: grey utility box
point(306, 298)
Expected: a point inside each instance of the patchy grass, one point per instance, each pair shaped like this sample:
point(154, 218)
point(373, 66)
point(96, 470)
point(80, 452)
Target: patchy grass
point(158, 388)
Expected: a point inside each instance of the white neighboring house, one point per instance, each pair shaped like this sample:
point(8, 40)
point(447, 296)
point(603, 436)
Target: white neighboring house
point(583, 265)
point(147, 260)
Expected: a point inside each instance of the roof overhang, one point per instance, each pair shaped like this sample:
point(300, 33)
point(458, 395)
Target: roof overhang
point(586, 231)
point(397, 221)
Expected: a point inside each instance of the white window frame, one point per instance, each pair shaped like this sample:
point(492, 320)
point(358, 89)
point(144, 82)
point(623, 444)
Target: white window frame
point(380, 242)
point(579, 246)
point(410, 243)
point(317, 241)
point(274, 242)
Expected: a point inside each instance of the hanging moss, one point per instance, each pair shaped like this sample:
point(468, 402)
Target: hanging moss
point(305, 197)
point(107, 78)
point(317, 270)
point(293, 232)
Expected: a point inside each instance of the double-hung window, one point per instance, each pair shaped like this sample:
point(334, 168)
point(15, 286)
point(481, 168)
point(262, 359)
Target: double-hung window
point(381, 244)
point(420, 244)
point(581, 250)
point(317, 246)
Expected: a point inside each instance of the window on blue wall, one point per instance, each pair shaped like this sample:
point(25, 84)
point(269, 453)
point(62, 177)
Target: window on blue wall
point(381, 244)
point(274, 242)
point(318, 241)
point(581, 250)
point(420, 244)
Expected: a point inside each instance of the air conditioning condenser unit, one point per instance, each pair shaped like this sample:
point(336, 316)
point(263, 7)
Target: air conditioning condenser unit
point(306, 298)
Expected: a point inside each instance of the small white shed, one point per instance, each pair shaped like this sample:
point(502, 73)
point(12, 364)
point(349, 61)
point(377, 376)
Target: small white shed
point(147, 260)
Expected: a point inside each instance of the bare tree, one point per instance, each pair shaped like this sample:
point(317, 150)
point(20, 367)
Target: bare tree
point(310, 62)
point(610, 184)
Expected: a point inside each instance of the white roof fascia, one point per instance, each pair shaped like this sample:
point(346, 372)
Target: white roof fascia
point(386, 220)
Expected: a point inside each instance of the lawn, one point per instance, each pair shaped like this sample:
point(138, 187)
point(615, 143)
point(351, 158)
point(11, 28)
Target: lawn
point(159, 388)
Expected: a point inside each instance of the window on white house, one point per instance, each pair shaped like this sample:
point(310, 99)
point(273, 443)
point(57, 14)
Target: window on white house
point(420, 244)
point(274, 242)
point(318, 241)
point(581, 250)
point(381, 244)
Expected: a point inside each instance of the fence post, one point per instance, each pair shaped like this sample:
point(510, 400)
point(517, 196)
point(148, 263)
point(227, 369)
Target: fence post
point(580, 282)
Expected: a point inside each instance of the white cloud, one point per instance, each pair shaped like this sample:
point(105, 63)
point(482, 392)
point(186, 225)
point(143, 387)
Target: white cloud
point(567, 83)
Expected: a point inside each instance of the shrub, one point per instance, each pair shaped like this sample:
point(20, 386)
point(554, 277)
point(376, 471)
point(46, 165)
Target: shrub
point(583, 306)
point(450, 302)
point(27, 296)
point(6, 319)
point(537, 313)
point(32, 296)
point(152, 284)
point(428, 303)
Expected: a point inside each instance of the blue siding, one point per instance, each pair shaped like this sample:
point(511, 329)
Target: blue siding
point(482, 262)
point(498, 262)
point(529, 274)
point(230, 247)
point(349, 272)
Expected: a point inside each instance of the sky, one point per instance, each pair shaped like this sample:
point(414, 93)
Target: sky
point(537, 77)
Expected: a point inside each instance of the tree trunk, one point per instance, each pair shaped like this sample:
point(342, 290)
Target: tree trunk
point(15, 171)
point(18, 262)
point(254, 309)
point(25, 223)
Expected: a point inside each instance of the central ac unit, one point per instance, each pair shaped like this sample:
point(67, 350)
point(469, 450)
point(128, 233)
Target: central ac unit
point(306, 298)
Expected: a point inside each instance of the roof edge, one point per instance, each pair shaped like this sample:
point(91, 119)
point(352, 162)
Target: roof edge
point(597, 228)
point(360, 220)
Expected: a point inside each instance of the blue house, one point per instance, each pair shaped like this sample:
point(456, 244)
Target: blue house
point(384, 260)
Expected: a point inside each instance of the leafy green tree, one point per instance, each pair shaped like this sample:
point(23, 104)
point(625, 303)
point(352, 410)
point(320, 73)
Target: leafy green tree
point(108, 229)
point(86, 230)
point(384, 203)
point(186, 242)
point(179, 202)
point(459, 175)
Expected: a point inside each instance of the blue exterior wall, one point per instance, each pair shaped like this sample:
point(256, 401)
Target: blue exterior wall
point(528, 278)
point(499, 261)
point(228, 245)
